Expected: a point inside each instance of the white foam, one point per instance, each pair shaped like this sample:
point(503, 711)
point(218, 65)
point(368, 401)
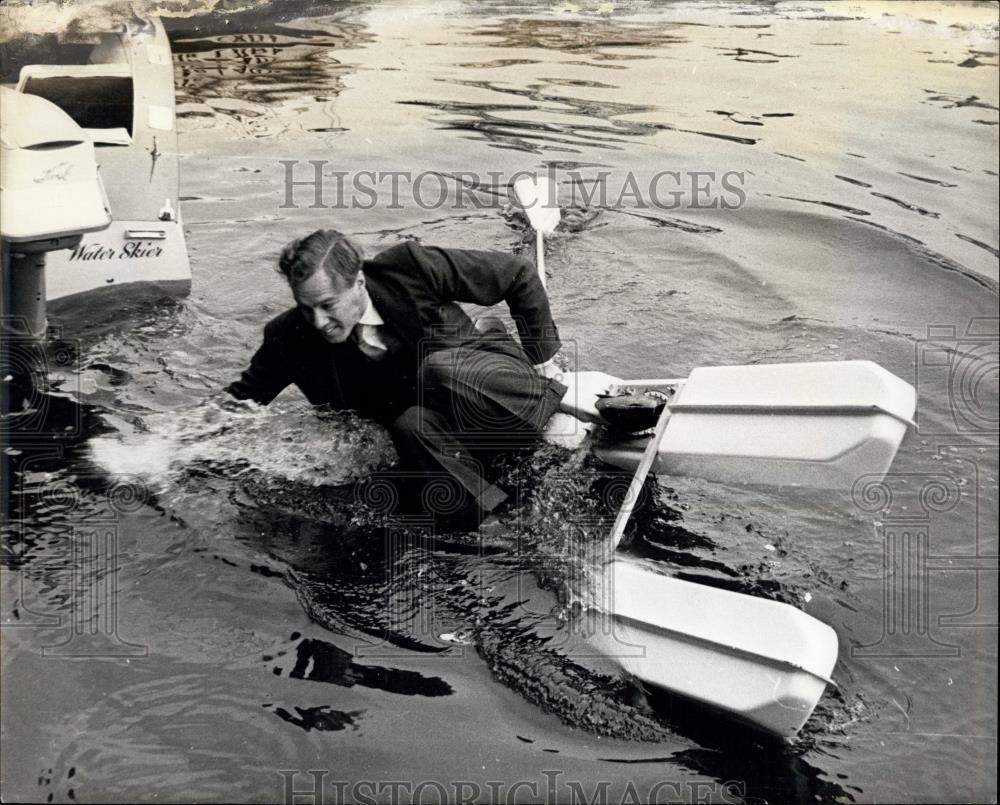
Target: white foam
point(291, 442)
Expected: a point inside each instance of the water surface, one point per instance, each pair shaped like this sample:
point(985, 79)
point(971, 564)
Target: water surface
point(265, 626)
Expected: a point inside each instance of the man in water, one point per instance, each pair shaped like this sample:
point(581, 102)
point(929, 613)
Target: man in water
point(386, 338)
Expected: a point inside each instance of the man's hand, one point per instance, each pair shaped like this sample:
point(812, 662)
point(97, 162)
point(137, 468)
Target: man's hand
point(582, 392)
point(215, 407)
point(550, 370)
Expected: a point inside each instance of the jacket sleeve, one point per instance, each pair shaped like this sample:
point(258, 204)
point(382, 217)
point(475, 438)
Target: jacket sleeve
point(268, 373)
point(487, 278)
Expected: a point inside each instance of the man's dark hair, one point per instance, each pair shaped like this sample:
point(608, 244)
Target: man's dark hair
point(327, 249)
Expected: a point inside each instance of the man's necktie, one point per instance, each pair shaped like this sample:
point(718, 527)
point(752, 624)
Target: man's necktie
point(367, 338)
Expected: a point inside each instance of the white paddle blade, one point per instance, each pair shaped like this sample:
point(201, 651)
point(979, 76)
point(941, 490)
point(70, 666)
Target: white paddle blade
point(820, 425)
point(539, 198)
point(762, 661)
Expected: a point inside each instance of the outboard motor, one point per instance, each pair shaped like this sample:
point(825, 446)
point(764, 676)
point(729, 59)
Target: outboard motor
point(50, 196)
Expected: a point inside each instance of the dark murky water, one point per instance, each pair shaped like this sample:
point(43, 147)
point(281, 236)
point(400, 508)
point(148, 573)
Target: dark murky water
point(266, 622)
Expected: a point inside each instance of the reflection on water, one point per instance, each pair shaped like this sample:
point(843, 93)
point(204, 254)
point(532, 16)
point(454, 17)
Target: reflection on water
point(503, 129)
point(870, 215)
point(320, 661)
point(256, 82)
point(590, 37)
point(557, 121)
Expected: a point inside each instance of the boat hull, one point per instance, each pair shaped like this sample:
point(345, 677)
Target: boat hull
point(135, 255)
point(123, 98)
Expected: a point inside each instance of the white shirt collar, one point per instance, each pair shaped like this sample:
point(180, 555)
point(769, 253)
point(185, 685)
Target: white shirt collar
point(371, 315)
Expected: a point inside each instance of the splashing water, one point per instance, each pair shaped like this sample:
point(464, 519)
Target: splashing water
point(292, 442)
point(564, 523)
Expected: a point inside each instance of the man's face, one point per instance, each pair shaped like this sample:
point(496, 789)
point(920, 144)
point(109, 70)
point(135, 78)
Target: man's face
point(330, 308)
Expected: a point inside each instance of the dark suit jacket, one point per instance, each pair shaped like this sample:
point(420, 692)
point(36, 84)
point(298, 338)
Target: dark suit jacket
point(415, 289)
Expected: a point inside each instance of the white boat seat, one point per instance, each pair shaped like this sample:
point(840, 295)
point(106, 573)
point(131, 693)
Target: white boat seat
point(112, 136)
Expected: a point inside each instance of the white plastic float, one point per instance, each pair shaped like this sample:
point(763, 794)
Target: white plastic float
point(818, 425)
point(763, 662)
point(805, 424)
